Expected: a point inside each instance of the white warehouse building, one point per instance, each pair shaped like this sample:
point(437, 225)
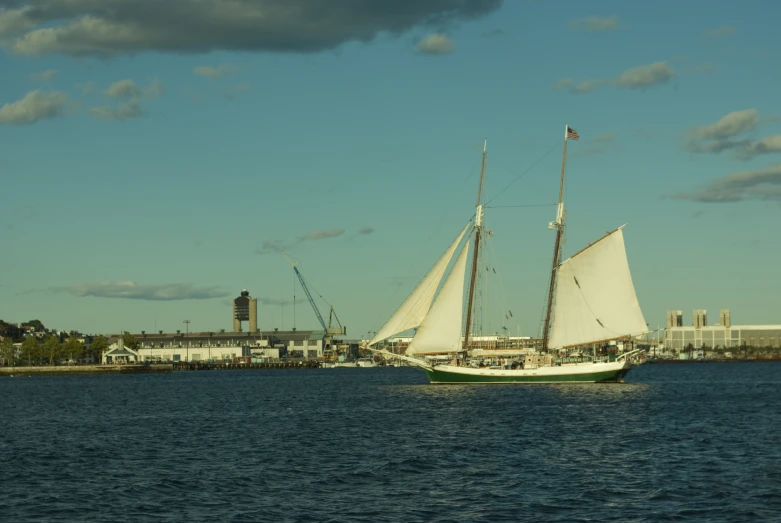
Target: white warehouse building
point(723, 334)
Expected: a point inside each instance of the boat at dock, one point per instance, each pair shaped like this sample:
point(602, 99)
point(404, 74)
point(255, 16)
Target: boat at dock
point(591, 301)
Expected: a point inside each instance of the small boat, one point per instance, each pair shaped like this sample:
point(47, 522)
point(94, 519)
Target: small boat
point(591, 301)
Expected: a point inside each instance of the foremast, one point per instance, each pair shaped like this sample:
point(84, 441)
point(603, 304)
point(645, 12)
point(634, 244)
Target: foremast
point(559, 226)
point(478, 227)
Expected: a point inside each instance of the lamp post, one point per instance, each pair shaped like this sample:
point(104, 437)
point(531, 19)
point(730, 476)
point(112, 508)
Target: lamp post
point(187, 336)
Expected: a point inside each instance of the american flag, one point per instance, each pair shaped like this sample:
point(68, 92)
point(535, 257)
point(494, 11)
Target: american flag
point(572, 133)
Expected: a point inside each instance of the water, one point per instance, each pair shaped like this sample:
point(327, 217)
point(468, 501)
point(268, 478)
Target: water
point(694, 442)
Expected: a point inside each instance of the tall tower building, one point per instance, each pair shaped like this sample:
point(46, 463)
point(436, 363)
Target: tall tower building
point(700, 318)
point(674, 319)
point(245, 308)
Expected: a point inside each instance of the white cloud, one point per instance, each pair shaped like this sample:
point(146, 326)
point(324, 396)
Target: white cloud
point(435, 44)
point(640, 77)
point(596, 23)
point(44, 76)
point(112, 28)
point(129, 94)
point(729, 125)
point(759, 184)
point(729, 133)
point(271, 246)
point(131, 290)
point(124, 89)
point(123, 111)
point(214, 72)
point(36, 105)
point(645, 76)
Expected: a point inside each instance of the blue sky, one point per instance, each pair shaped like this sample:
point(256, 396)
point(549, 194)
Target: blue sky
point(179, 145)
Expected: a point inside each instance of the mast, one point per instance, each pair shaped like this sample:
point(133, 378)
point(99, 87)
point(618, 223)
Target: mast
point(559, 226)
point(478, 226)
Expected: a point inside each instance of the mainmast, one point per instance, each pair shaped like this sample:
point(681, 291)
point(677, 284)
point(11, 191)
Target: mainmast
point(559, 226)
point(478, 226)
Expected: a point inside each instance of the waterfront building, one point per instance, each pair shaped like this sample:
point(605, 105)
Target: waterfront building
point(225, 346)
point(723, 335)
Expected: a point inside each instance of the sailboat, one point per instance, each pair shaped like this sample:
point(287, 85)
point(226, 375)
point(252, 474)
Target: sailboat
point(591, 301)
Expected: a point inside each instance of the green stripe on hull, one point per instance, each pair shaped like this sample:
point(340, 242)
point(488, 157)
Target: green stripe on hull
point(444, 377)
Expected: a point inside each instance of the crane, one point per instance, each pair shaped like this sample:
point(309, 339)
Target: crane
point(330, 328)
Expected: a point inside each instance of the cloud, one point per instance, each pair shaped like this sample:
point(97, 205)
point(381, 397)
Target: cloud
point(36, 105)
point(434, 44)
point(214, 72)
point(278, 301)
point(721, 31)
point(108, 29)
point(645, 76)
point(321, 235)
point(363, 231)
point(231, 93)
point(88, 88)
point(728, 134)
point(132, 291)
point(759, 184)
point(595, 23)
point(123, 111)
point(564, 82)
point(129, 94)
point(638, 78)
point(272, 246)
point(124, 89)
point(767, 145)
point(729, 125)
point(44, 76)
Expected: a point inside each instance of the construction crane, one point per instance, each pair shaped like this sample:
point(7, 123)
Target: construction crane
point(330, 329)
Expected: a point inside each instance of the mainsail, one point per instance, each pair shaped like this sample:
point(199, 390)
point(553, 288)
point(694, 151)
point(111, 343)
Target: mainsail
point(440, 331)
point(595, 296)
point(411, 313)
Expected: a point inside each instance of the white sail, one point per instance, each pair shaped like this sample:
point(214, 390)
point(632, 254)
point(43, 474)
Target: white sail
point(411, 313)
point(595, 297)
point(441, 329)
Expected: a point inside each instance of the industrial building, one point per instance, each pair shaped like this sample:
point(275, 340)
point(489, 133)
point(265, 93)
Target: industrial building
point(722, 334)
point(202, 346)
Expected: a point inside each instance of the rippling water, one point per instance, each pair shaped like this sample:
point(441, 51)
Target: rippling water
point(676, 442)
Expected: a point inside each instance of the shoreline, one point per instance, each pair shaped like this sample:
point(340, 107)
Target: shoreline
point(72, 370)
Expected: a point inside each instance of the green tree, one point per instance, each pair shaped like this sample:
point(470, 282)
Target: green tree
point(97, 347)
point(52, 348)
point(130, 341)
point(30, 350)
point(73, 348)
point(7, 351)
point(36, 324)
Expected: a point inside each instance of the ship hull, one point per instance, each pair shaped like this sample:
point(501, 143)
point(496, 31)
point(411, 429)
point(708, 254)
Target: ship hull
point(584, 373)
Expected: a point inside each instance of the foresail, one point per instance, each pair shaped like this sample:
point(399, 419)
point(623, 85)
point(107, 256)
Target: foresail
point(595, 296)
point(441, 329)
point(411, 313)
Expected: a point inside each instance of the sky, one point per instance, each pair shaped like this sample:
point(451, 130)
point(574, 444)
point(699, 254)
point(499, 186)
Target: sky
point(156, 157)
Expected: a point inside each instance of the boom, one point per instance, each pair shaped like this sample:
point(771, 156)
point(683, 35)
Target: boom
point(326, 328)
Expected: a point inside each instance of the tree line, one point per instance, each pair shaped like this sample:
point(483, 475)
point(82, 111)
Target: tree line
point(51, 350)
